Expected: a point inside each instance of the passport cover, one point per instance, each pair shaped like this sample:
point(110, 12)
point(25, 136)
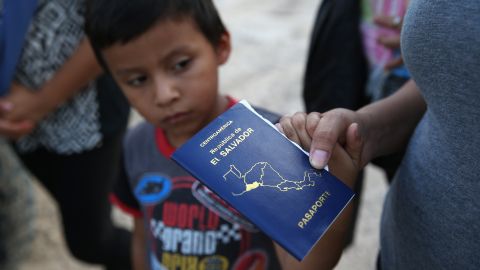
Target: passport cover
point(267, 178)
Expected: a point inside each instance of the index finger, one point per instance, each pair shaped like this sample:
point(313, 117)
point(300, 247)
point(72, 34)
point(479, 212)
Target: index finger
point(331, 128)
point(15, 130)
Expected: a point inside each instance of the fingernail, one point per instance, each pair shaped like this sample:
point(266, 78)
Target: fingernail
point(318, 158)
point(6, 106)
point(396, 21)
point(356, 133)
point(279, 127)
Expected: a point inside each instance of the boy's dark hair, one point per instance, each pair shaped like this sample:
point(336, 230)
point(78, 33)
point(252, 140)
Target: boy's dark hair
point(120, 21)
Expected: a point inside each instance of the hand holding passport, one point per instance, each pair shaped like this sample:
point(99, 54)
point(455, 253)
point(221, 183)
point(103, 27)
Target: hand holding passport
point(243, 159)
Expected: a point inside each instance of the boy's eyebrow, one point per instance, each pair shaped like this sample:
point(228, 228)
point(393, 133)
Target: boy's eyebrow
point(172, 53)
point(178, 50)
point(127, 71)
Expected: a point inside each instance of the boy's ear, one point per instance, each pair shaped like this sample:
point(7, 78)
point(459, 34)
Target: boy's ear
point(224, 48)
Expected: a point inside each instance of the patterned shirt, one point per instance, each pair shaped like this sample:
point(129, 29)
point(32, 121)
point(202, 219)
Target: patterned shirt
point(54, 35)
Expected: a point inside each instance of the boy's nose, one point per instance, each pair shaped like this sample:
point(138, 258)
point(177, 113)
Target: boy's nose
point(165, 93)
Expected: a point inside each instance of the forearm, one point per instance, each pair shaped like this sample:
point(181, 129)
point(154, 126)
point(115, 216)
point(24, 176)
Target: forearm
point(77, 72)
point(390, 122)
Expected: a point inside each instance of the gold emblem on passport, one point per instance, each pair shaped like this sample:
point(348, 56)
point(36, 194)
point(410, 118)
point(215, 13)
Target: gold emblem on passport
point(262, 174)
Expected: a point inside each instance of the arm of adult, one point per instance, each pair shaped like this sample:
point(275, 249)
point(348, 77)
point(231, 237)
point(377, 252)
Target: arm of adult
point(25, 105)
point(385, 126)
point(139, 255)
point(343, 164)
point(347, 140)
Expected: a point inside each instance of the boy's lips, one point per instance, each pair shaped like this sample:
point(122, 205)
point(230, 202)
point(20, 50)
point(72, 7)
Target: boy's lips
point(175, 117)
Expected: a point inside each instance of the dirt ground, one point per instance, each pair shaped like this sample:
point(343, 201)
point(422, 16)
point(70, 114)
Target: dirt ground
point(269, 49)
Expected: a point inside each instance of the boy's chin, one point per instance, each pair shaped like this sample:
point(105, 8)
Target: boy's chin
point(180, 134)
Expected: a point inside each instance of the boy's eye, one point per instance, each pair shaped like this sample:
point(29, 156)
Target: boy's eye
point(181, 65)
point(137, 81)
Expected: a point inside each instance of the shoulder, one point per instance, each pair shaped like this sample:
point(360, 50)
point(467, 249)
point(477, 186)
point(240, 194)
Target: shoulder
point(269, 115)
point(140, 133)
point(140, 149)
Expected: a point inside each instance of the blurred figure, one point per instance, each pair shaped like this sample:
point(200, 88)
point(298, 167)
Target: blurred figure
point(380, 27)
point(16, 194)
point(68, 128)
point(16, 209)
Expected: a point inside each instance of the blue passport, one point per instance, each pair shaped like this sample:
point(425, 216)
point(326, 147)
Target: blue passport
point(268, 179)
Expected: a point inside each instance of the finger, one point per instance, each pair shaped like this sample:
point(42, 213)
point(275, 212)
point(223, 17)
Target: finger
point(279, 127)
point(5, 107)
point(354, 145)
point(289, 130)
point(330, 130)
point(345, 161)
point(312, 122)
point(397, 62)
point(15, 130)
point(392, 22)
point(390, 41)
point(299, 122)
point(339, 168)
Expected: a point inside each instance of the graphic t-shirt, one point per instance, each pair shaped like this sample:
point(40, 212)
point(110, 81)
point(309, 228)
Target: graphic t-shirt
point(187, 226)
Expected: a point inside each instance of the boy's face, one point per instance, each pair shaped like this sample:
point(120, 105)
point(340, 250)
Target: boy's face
point(170, 76)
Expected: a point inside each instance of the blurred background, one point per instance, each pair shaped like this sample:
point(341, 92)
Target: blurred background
point(270, 40)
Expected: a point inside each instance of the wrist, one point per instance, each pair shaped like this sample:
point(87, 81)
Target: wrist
point(50, 101)
point(369, 136)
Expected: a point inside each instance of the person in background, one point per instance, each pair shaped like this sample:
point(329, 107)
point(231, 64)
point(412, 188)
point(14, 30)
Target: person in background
point(66, 124)
point(16, 191)
point(380, 27)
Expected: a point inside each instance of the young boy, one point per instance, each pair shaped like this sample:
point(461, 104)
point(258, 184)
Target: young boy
point(165, 57)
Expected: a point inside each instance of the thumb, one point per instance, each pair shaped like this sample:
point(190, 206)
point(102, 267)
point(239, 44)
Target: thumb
point(329, 130)
point(319, 158)
point(354, 145)
point(5, 107)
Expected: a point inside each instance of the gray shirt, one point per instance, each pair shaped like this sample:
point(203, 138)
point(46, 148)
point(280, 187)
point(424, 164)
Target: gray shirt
point(431, 217)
